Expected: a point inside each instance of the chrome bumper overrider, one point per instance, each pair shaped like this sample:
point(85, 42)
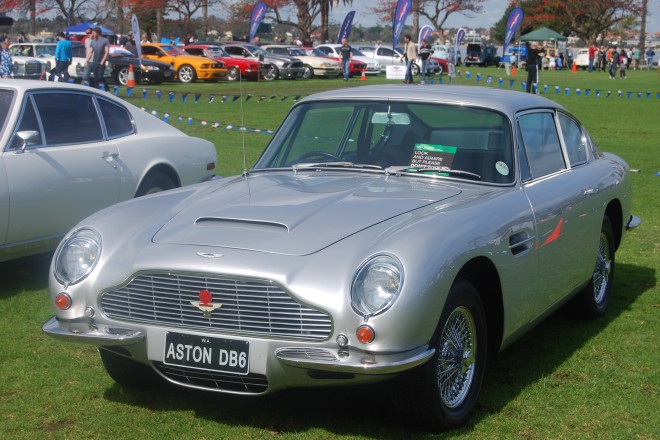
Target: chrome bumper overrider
point(358, 363)
point(83, 333)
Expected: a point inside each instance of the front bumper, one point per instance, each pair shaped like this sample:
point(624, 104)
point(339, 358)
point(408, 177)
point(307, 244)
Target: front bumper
point(211, 73)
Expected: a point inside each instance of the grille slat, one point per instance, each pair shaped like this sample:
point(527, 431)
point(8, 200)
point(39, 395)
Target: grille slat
point(251, 383)
point(248, 306)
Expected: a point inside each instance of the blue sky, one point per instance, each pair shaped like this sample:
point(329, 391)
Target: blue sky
point(493, 11)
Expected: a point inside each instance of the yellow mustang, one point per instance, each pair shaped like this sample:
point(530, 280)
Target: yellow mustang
point(188, 67)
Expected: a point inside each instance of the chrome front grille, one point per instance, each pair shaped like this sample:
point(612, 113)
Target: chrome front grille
point(214, 381)
point(248, 307)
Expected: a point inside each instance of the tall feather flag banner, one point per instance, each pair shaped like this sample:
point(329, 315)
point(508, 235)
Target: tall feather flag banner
point(460, 35)
point(401, 12)
point(424, 33)
point(258, 13)
point(512, 25)
point(345, 30)
point(135, 27)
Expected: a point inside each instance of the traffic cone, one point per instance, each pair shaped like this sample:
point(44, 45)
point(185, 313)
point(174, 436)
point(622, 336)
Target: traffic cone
point(130, 82)
point(514, 70)
point(574, 68)
point(364, 75)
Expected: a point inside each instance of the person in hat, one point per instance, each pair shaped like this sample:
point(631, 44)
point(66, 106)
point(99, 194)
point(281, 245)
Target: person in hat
point(62, 57)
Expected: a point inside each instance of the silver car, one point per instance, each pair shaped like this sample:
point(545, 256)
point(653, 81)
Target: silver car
point(68, 151)
point(385, 231)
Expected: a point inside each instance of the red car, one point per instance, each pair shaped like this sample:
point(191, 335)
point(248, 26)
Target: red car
point(355, 68)
point(236, 67)
point(443, 64)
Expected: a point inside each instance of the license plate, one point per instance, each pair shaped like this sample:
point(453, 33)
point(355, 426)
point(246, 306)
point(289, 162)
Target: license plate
point(214, 354)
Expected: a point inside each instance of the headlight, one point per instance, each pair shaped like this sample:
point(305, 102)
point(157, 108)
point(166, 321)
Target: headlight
point(77, 256)
point(376, 285)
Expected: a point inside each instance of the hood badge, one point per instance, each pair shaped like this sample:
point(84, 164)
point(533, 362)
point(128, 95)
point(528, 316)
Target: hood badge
point(209, 255)
point(205, 303)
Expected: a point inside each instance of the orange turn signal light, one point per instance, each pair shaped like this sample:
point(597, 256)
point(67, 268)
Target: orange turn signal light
point(63, 301)
point(365, 334)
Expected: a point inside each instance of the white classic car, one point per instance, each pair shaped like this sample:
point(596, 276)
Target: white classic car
point(386, 231)
point(314, 66)
point(67, 151)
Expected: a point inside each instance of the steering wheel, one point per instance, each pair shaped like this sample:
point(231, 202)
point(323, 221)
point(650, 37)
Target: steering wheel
point(320, 154)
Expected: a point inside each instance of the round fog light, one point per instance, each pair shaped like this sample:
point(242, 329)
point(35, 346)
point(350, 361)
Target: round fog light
point(342, 340)
point(89, 312)
point(365, 334)
point(63, 301)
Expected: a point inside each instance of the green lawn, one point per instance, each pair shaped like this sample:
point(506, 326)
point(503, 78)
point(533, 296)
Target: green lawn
point(566, 379)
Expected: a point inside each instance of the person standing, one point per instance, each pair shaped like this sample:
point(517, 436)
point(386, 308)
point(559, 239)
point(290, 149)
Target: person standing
point(623, 63)
point(636, 58)
point(345, 54)
point(6, 60)
point(425, 52)
point(534, 56)
point(409, 55)
point(130, 44)
point(87, 69)
point(62, 57)
point(100, 50)
point(649, 58)
point(614, 63)
point(592, 56)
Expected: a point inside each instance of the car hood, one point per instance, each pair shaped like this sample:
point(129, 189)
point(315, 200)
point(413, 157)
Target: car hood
point(295, 214)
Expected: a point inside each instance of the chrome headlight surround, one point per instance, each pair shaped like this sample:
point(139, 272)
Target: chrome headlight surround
point(77, 255)
point(376, 285)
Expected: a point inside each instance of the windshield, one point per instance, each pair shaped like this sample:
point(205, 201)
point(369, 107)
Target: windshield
point(296, 52)
point(355, 52)
point(217, 52)
point(409, 135)
point(317, 53)
point(171, 50)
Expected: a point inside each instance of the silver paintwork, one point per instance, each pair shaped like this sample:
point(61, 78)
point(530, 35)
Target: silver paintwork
point(308, 230)
point(45, 190)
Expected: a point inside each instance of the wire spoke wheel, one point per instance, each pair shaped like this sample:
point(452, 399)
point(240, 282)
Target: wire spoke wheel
point(456, 360)
point(601, 275)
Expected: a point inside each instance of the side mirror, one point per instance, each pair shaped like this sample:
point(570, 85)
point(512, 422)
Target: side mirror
point(29, 137)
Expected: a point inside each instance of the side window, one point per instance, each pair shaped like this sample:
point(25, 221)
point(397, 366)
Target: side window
point(28, 122)
point(233, 50)
point(325, 50)
point(68, 118)
point(574, 139)
point(541, 143)
point(148, 50)
point(193, 51)
point(117, 120)
point(387, 52)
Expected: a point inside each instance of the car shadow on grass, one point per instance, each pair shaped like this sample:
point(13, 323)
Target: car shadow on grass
point(367, 410)
point(24, 274)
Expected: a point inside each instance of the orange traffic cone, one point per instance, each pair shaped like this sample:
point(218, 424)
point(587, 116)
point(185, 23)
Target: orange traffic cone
point(574, 68)
point(514, 70)
point(364, 76)
point(130, 81)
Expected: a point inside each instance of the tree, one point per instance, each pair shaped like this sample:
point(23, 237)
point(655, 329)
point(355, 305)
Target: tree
point(586, 19)
point(436, 11)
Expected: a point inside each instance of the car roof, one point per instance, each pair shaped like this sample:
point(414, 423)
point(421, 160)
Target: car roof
point(505, 101)
point(22, 85)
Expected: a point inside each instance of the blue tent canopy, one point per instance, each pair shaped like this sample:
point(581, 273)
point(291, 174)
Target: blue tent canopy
point(80, 29)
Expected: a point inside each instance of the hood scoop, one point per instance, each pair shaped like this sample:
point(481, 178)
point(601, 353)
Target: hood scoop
point(239, 223)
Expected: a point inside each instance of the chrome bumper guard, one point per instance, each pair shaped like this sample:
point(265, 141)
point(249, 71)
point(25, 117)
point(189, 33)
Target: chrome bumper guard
point(86, 333)
point(342, 361)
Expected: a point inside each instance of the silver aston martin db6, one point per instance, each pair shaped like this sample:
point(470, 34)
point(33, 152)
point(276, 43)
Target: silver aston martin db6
point(386, 231)
point(67, 151)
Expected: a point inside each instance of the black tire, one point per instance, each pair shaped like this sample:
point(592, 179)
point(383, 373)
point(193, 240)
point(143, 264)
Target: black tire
point(593, 300)
point(414, 69)
point(155, 182)
point(187, 74)
point(127, 372)
point(233, 73)
point(308, 73)
point(441, 394)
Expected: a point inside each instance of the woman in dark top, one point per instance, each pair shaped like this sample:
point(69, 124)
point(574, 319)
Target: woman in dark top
point(534, 57)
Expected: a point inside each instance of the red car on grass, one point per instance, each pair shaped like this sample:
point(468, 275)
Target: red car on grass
point(236, 67)
point(355, 68)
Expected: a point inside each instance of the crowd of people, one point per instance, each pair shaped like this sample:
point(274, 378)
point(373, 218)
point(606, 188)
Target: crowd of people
point(619, 60)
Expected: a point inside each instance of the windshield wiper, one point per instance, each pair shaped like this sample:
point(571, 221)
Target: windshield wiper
point(311, 165)
point(423, 170)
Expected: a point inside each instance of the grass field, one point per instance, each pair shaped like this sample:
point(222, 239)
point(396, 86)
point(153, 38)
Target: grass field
point(566, 379)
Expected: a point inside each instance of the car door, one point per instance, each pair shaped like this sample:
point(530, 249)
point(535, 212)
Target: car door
point(563, 217)
point(69, 172)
